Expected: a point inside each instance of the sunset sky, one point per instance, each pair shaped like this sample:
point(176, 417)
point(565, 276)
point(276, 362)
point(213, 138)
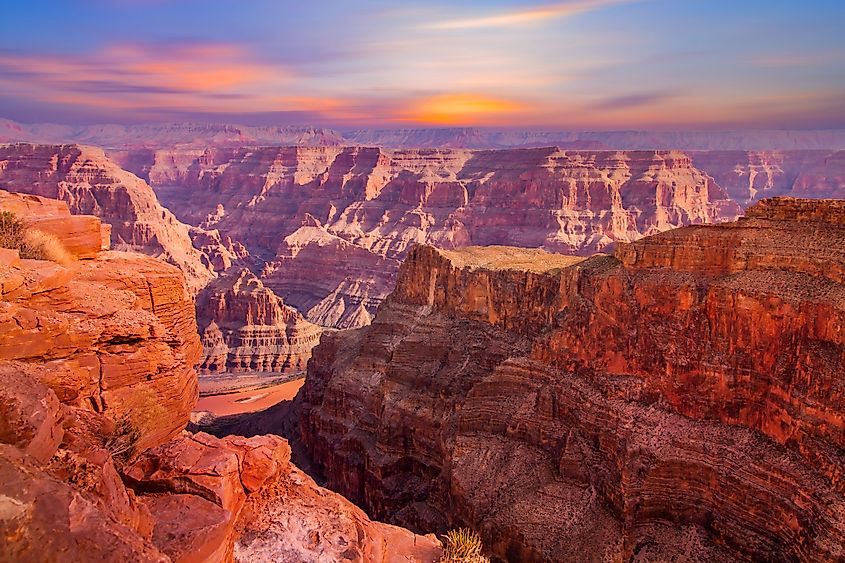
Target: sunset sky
point(578, 64)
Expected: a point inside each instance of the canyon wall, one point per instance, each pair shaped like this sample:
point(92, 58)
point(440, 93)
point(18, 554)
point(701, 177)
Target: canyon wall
point(91, 183)
point(333, 223)
point(245, 327)
point(680, 399)
point(97, 381)
point(749, 176)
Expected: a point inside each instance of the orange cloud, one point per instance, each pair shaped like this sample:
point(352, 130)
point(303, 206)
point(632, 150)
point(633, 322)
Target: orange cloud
point(456, 109)
point(208, 77)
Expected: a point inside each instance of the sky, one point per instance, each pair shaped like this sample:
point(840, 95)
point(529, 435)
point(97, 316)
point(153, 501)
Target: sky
point(574, 64)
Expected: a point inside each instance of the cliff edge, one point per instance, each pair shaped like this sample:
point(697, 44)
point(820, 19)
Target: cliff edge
point(680, 399)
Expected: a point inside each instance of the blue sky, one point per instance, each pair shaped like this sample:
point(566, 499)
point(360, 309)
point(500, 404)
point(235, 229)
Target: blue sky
point(577, 64)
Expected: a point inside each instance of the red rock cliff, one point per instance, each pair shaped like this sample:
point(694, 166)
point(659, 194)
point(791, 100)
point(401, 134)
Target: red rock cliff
point(360, 209)
point(96, 385)
point(682, 398)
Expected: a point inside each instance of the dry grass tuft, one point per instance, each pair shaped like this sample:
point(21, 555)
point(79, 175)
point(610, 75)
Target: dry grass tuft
point(463, 546)
point(31, 243)
point(123, 442)
point(38, 245)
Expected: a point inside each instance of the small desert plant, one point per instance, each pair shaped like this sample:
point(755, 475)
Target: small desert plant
point(123, 442)
point(38, 245)
point(11, 231)
point(31, 243)
point(463, 546)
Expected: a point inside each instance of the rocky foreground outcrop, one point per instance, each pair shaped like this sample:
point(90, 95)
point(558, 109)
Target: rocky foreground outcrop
point(679, 400)
point(96, 386)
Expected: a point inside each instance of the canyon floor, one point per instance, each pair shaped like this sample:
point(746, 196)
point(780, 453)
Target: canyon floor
point(250, 394)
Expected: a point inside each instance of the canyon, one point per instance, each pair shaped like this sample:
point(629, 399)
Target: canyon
point(634, 355)
point(97, 382)
point(323, 229)
point(678, 399)
point(333, 223)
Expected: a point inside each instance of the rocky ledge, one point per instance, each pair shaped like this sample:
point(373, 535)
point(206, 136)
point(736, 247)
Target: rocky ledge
point(680, 400)
point(97, 381)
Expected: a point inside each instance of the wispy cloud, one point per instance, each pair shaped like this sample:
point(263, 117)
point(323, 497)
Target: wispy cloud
point(788, 60)
point(525, 16)
point(630, 101)
point(139, 75)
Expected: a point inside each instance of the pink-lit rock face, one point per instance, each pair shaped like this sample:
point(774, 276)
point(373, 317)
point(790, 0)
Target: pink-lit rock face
point(339, 220)
point(681, 399)
point(245, 327)
point(91, 184)
point(749, 176)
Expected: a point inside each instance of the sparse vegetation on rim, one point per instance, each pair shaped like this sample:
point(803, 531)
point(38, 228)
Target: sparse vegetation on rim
point(31, 243)
point(463, 546)
point(123, 443)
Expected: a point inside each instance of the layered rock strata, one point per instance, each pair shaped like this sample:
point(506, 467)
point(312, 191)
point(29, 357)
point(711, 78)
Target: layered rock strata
point(681, 399)
point(91, 184)
point(245, 327)
point(96, 385)
point(360, 209)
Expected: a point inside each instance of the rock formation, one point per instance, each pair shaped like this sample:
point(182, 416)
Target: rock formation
point(245, 327)
point(359, 210)
point(157, 135)
point(679, 400)
point(90, 183)
point(749, 176)
point(96, 385)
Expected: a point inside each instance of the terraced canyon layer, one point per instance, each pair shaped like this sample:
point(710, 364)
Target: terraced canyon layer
point(97, 381)
point(92, 184)
point(333, 223)
point(682, 398)
point(245, 327)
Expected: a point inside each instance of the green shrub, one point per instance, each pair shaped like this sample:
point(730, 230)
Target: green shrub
point(463, 546)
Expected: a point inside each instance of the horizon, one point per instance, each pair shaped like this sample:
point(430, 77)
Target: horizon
point(421, 127)
point(577, 65)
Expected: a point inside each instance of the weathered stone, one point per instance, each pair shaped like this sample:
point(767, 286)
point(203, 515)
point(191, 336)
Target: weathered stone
point(680, 400)
point(30, 413)
point(245, 327)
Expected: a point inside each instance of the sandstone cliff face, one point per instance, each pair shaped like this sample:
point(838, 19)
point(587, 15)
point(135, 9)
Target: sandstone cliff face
point(101, 326)
point(245, 327)
point(96, 386)
point(749, 176)
point(362, 208)
point(91, 184)
point(681, 399)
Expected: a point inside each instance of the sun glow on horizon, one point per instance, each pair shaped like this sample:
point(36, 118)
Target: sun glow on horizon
point(576, 63)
